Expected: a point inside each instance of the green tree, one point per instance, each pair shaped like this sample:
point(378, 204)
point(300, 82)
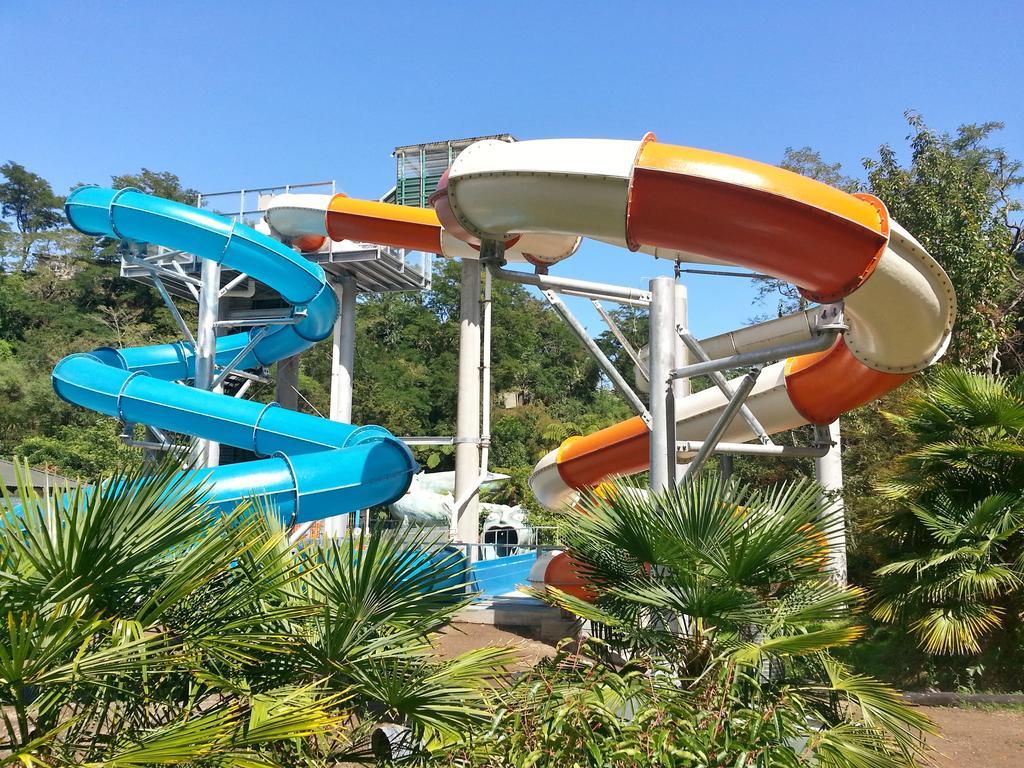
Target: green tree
point(956, 198)
point(29, 200)
point(160, 183)
point(955, 524)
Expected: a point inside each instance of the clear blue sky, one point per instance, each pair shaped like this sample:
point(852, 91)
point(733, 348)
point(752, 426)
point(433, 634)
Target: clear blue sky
point(243, 94)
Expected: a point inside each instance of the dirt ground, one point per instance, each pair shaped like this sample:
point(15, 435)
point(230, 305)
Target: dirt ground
point(458, 638)
point(970, 738)
point(976, 738)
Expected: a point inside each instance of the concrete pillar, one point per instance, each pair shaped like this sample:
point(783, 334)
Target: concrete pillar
point(663, 338)
point(343, 351)
point(466, 526)
point(343, 354)
point(829, 472)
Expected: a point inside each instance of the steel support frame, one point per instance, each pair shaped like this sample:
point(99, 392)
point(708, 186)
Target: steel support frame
point(254, 339)
point(661, 362)
point(584, 288)
point(825, 339)
point(830, 325)
point(427, 440)
point(621, 338)
point(723, 385)
point(292, 318)
point(208, 374)
point(606, 366)
point(687, 447)
point(708, 445)
point(207, 452)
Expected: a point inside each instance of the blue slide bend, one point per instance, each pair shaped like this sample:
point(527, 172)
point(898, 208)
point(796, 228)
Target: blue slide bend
point(315, 468)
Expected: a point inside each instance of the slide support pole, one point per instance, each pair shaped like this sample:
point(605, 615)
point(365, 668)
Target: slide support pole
point(661, 363)
point(829, 472)
point(343, 354)
point(465, 523)
point(485, 375)
point(680, 357)
point(343, 351)
point(207, 452)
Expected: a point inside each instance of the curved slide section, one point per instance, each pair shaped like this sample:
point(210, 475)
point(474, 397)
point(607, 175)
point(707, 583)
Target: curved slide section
point(314, 468)
point(648, 195)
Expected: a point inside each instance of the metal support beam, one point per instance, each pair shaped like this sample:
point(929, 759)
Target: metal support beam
point(662, 399)
point(156, 269)
point(227, 370)
point(207, 452)
point(821, 342)
point(829, 471)
point(173, 309)
point(465, 517)
point(724, 420)
point(628, 348)
point(686, 448)
point(233, 283)
point(780, 330)
point(600, 358)
point(190, 282)
point(292, 318)
point(585, 288)
point(427, 440)
point(722, 383)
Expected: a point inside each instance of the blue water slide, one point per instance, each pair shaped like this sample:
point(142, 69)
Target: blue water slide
point(312, 468)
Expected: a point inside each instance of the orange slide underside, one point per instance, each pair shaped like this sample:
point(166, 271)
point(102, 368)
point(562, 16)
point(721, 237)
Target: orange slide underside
point(819, 238)
point(767, 219)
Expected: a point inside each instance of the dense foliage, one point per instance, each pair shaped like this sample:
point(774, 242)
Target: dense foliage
point(956, 197)
point(141, 629)
point(954, 536)
point(717, 621)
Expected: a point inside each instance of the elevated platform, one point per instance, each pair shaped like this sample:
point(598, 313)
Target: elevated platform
point(375, 268)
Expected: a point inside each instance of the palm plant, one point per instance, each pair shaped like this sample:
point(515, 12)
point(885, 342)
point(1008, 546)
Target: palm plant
point(957, 530)
point(716, 620)
point(141, 629)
